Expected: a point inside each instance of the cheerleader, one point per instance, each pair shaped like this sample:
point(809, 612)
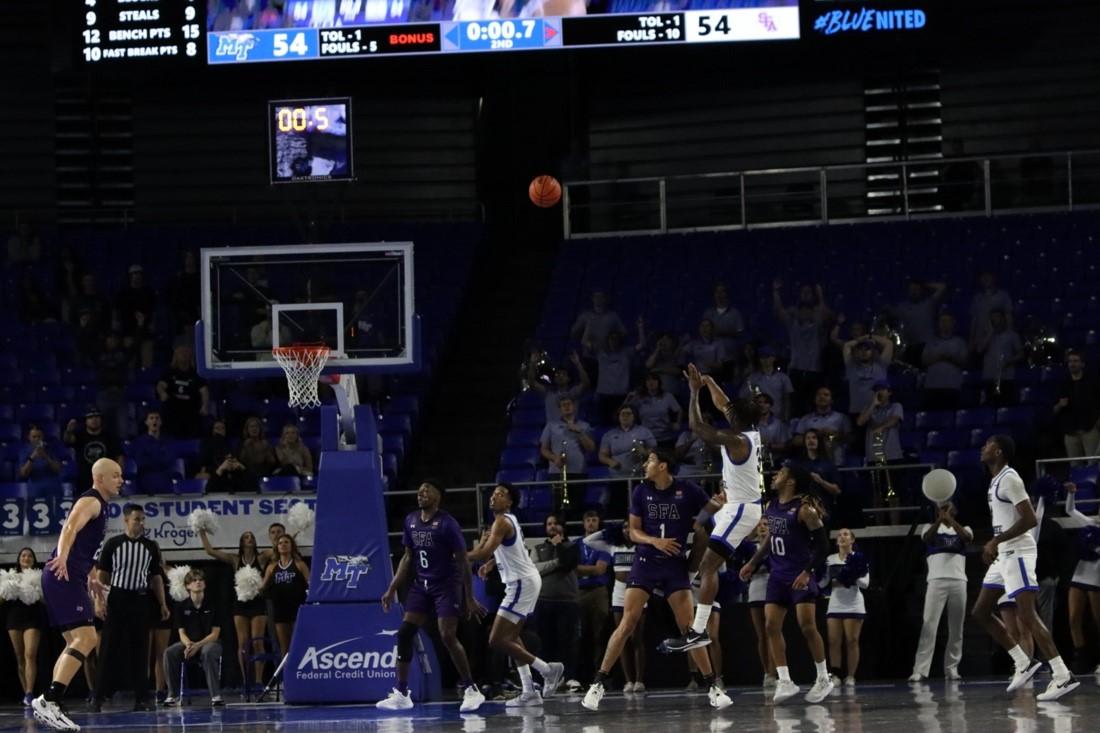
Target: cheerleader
point(286, 581)
point(614, 541)
point(847, 577)
point(249, 617)
point(758, 592)
point(160, 629)
point(25, 622)
point(1085, 584)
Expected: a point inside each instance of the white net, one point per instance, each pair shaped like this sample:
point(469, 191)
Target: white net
point(303, 365)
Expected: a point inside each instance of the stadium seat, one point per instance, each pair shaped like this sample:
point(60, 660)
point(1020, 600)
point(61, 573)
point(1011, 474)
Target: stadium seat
point(1082, 474)
point(10, 432)
point(519, 457)
point(280, 484)
point(395, 424)
point(515, 475)
point(156, 482)
point(1021, 415)
point(524, 437)
point(968, 458)
point(35, 413)
point(978, 436)
point(195, 486)
point(389, 465)
point(947, 439)
point(529, 417)
point(978, 417)
point(935, 420)
point(13, 490)
point(394, 443)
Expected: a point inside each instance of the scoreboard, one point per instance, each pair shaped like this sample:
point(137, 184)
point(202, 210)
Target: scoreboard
point(223, 32)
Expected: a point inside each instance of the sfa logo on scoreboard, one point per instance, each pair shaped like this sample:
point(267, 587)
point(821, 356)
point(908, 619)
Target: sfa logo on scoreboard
point(869, 20)
point(235, 45)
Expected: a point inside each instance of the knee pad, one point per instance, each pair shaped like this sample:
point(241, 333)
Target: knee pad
point(405, 636)
point(75, 654)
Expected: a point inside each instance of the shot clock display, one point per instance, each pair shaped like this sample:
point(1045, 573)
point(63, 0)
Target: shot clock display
point(310, 140)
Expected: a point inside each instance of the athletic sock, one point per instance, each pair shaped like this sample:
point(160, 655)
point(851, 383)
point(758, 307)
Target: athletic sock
point(1020, 657)
point(702, 615)
point(1058, 668)
point(698, 677)
point(403, 687)
point(708, 681)
point(540, 666)
point(822, 670)
point(784, 673)
point(525, 677)
point(601, 677)
point(56, 692)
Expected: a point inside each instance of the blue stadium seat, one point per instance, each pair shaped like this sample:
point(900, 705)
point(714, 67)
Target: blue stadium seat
point(404, 404)
point(1023, 415)
point(7, 470)
point(521, 437)
point(515, 475)
point(519, 457)
point(968, 458)
point(978, 436)
point(1081, 474)
point(129, 487)
point(1086, 497)
point(978, 417)
point(10, 432)
point(947, 439)
point(194, 486)
point(529, 417)
point(935, 420)
point(35, 413)
point(394, 443)
point(156, 482)
point(43, 377)
point(280, 484)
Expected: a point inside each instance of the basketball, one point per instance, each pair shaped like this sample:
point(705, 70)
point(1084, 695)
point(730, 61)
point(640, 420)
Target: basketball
point(545, 191)
point(938, 485)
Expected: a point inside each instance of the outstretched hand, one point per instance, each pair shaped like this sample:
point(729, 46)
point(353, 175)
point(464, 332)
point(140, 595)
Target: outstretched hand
point(694, 378)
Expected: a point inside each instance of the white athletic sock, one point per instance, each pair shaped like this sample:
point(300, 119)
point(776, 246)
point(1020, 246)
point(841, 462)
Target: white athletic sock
point(540, 666)
point(702, 615)
point(525, 677)
point(1019, 656)
point(784, 673)
point(822, 669)
point(1059, 668)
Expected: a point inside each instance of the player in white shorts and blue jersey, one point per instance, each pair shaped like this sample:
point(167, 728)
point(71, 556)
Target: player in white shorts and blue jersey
point(1013, 551)
point(742, 479)
point(522, 584)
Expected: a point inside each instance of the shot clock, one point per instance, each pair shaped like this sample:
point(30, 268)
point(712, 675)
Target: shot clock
point(310, 140)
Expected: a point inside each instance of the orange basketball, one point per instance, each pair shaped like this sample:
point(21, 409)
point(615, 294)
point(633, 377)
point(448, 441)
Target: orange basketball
point(545, 191)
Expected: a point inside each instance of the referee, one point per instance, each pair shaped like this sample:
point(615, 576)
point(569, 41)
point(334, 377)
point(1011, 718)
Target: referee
point(129, 565)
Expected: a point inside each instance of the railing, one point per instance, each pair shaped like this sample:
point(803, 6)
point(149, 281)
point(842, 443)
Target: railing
point(975, 186)
point(906, 488)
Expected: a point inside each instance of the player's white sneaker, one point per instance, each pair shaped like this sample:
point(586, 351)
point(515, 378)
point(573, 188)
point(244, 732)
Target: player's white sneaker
point(524, 699)
point(951, 674)
point(849, 681)
point(593, 696)
point(471, 700)
point(1022, 676)
point(1057, 688)
point(639, 688)
point(718, 698)
point(396, 701)
point(50, 713)
point(834, 679)
point(821, 689)
point(628, 688)
point(552, 679)
point(573, 687)
point(784, 690)
point(917, 678)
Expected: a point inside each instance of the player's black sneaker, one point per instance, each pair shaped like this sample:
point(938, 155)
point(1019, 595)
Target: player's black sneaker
point(690, 640)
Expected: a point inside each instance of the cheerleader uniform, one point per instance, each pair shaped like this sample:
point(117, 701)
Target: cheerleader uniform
point(22, 616)
point(287, 591)
point(1086, 575)
point(845, 601)
point(258, 605)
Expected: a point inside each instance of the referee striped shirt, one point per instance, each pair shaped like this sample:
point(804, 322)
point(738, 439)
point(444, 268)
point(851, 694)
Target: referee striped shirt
point(132, 563)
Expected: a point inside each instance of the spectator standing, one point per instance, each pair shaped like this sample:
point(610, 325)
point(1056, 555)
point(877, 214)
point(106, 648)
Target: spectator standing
point(562, 384)
point(917, 316)
point(39, 465)
point(944, 356)
point(705, 351)
point(775, 435)
point(256, 454)
point(664, 362)
point(1001, 349)
point(987, 299)
point(129, 564)
point(805, 324)
point(292, 454)
point(834, 428)
point(865, 363)
point(152, 454)
point(199, 626)
point(657, 410)
point(219, 465)
point(882, 420)
point(814, 458)
point(1077, 408)
point(613, 376)
point(186, 288)
point(767, 378)
point(727, 320)
point(694, 456)
point(593, 326)
point(135, 308)
point(89, 298)
point(67, 281)
point(623, 449)
point(566, 442)
point(592, 580)
point(946, 540)
point(557, 613)
point(90, 444)
point(184, 396)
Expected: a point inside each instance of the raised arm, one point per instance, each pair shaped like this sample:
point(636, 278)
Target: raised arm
point(1071, 504)
point(711, 435)
point(777, 302)
point(717, 394)
point(226, 557)
point(500, 531)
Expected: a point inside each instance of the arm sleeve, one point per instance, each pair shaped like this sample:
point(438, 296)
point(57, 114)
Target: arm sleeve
point(605, 442)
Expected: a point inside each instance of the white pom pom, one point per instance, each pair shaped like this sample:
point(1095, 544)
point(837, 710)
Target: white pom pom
point(176, 587)
point(30, 586)
point(247, 582)
point(9, 585)
point(299, 518)
point(203, 519)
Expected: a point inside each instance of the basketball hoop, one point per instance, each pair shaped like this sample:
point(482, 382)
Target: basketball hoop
point(303, 364)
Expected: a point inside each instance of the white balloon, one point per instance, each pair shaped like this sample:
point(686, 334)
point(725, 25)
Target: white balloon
point(938, 485)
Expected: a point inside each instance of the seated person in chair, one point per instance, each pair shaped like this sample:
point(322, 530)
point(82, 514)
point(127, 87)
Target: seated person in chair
point(200, 627)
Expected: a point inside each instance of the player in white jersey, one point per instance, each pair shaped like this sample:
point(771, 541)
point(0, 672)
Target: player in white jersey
point(741, 481)
point(1013, 551)
point(522, 584)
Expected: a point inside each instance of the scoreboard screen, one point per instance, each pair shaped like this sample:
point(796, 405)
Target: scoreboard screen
point(310, 140)
point(251, 31)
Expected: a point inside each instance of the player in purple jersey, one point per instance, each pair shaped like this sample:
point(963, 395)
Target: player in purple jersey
point(797, 544)
point(663, 517)
point(66, 581)
point(435, 557)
